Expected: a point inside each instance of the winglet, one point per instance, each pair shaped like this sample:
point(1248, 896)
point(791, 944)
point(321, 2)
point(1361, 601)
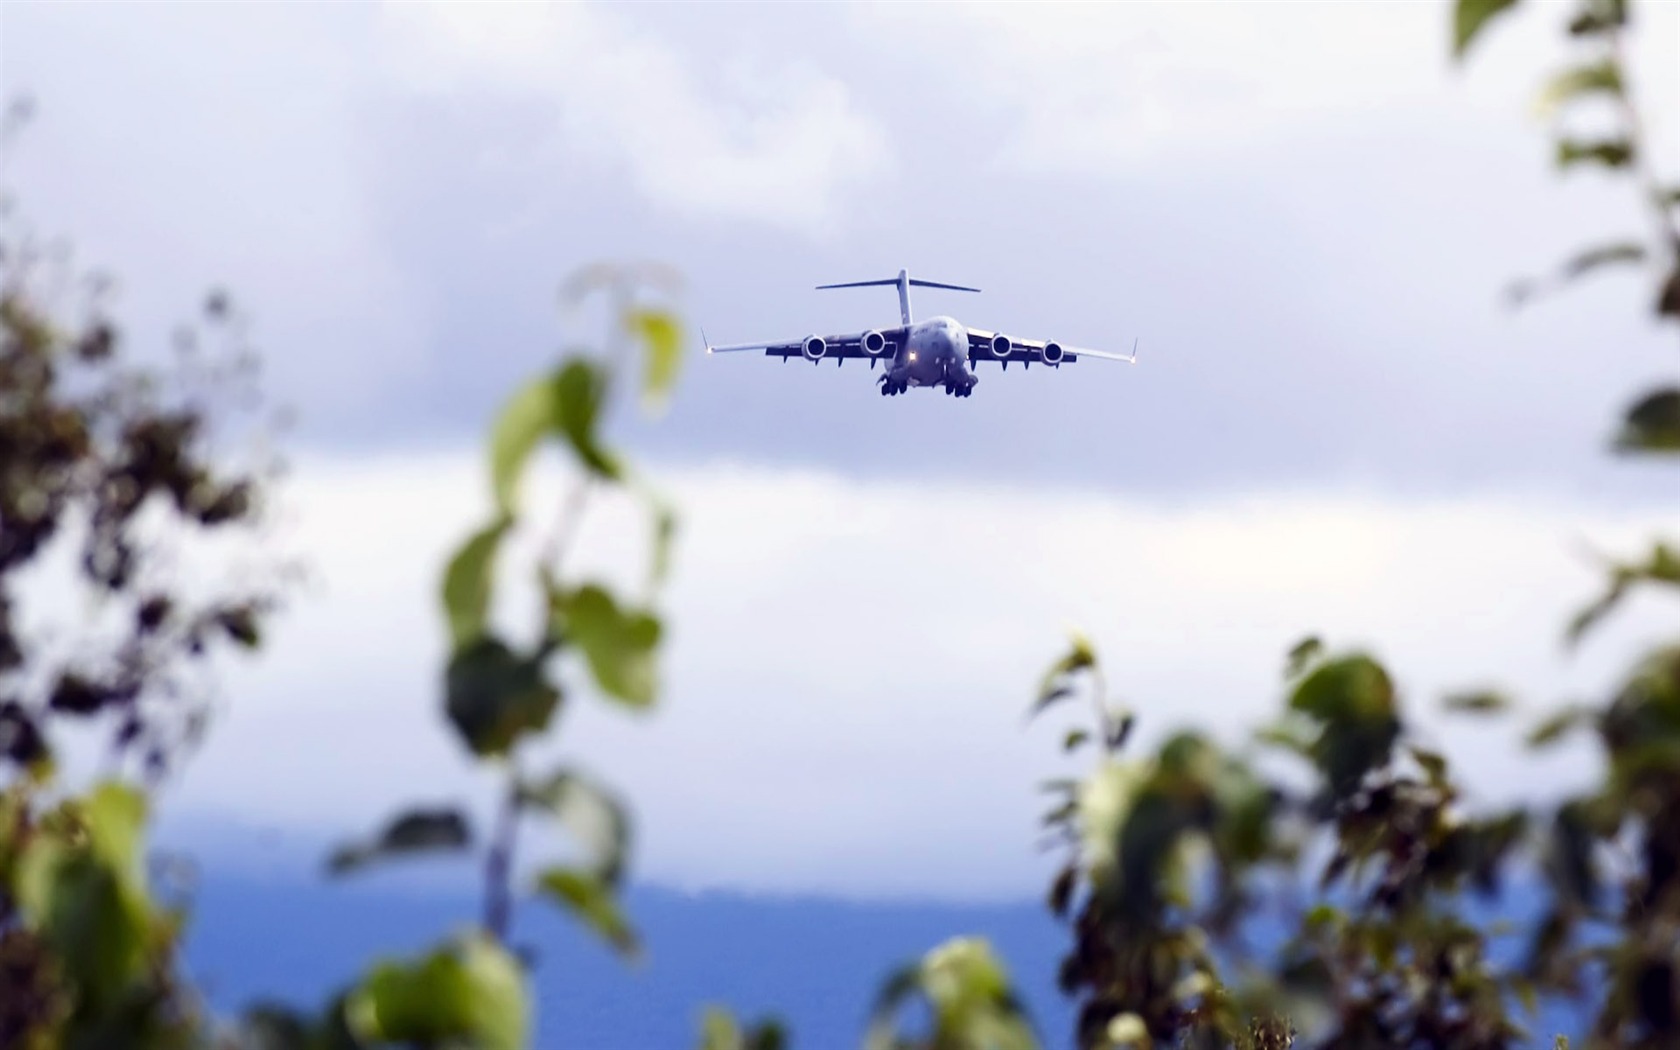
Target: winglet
point(703, 339)
point(1133, 359)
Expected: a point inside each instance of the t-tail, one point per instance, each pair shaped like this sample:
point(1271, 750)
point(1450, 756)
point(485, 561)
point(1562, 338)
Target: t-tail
point(904, 282)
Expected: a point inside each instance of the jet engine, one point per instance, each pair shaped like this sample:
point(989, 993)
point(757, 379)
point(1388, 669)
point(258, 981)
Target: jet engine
point(873, 343)
point(814, 348)
point(1001, 346)
point(1051, 354)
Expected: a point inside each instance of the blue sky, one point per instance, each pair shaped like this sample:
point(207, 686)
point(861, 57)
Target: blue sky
point(1304, 212)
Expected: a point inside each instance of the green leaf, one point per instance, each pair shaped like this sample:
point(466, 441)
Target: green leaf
point(581, 391)
point(529, 414)
point(590, 899)
point(1620, 253)
point(494, 697)
point(1652, 424)
point(1074, 738)
point(1612, 153)
point(1558, 725)
point(1080, 656)
point(1301, 655)
point(1470, 17)
point(620, 644)
point(596, 818)
point(470, 991)
point(720, 1031)
point(467, 582)
point(82, 885)
point(567, 403)
point(1604, 77)
point(1434, 765)
point(1479, 703)
point(661, 337)
point(968, 994)
point(1663, 566)
point(1353, 699)
point(1668, 300)
point(416, 831)
point(1598, 16)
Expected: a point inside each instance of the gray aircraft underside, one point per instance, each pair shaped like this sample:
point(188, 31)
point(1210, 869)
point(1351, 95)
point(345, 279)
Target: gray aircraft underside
point(937, 352)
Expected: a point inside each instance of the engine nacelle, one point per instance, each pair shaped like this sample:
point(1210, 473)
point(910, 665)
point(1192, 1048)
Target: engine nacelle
point(814, 348)
point(1051, 354)
point(1001, 346)
point(873, 343)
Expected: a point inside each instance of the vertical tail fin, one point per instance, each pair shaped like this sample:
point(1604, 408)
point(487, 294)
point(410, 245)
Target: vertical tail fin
point(904, 282)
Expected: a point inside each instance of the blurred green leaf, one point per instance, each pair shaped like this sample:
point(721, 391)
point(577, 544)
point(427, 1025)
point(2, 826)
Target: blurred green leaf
point(1074, 738)
point(1663, 566)
point(494, 697)
point(1598, 16)
point(661, 337)
point(534, 410)
point(596, 818)
point(416, 831)
point(1080, 656)
point(83, 887)
point(1652, 424)
point(1353, 699)
point(1477, 703)
point(1301, 655)
point(590, 899)
point(469, 993)
point(1434, 765)
point(1612, 153)
point(582, 390)
point(1557, 725)
point(467, 582)
point(1603, 77)
point(621, 645)
point(968, 993)
point(1668, 300)
point(567, 403)
point(1470, 17)
point(720, 1031)
point(1620, 253)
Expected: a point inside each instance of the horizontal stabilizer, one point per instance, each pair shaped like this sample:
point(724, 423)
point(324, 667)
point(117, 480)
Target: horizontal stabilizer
point(914, 282)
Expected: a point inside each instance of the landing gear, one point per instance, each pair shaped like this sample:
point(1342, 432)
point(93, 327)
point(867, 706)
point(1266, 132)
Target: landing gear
point(891, 387)
point(961, 388)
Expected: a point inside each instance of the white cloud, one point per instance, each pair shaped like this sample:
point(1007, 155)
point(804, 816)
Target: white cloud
point(1095, 88)
point(782, 145)
point(850, 662)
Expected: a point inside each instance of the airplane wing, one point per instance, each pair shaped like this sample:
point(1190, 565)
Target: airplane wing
point(875, 344)
point(994, 346)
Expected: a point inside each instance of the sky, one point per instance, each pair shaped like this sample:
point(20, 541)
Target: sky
point(1304, 213)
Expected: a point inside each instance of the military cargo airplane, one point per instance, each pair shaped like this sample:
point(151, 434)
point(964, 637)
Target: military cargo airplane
point(935, 352)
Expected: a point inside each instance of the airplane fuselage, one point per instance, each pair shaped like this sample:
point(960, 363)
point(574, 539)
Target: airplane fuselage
point(934, 353)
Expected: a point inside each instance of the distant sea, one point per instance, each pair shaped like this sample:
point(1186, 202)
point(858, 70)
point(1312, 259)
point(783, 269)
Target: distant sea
point(816, 963)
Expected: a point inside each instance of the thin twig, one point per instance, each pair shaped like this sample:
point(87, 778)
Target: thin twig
point(498, 864)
